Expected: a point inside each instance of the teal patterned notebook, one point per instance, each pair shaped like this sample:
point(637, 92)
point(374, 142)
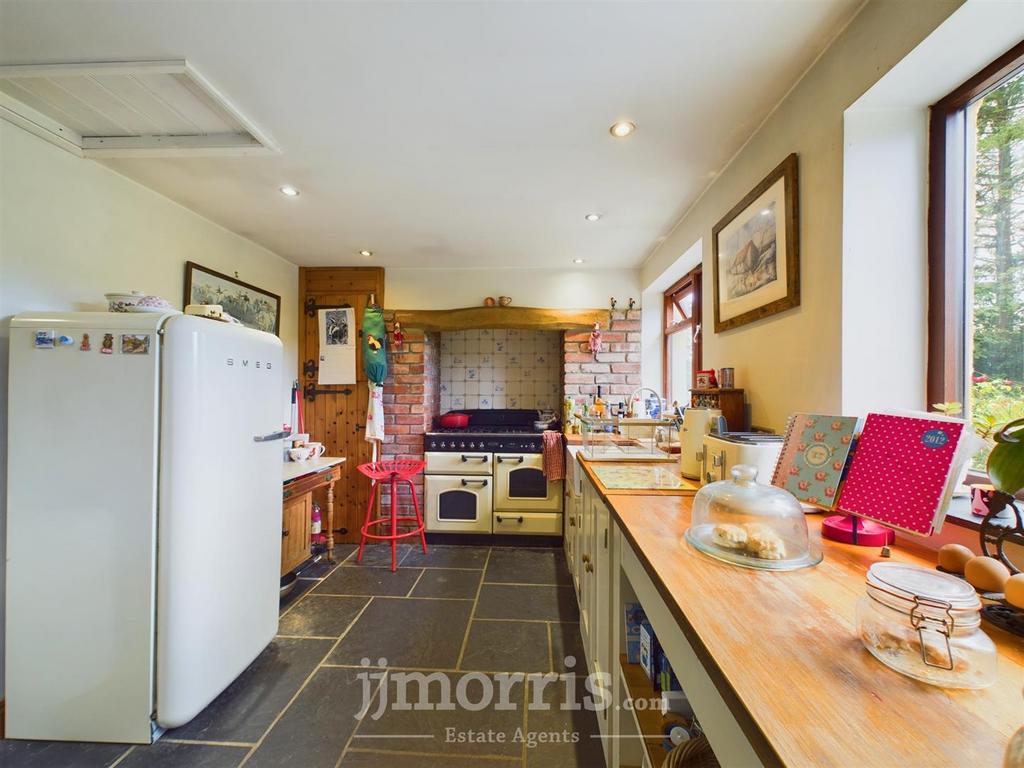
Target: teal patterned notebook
point(813, 457)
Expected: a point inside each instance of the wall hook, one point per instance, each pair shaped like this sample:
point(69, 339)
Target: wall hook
point(632, 302)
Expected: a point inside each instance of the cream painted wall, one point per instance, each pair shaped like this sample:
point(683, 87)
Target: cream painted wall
point(71, 230)
point(793, 361)
point(559, 288)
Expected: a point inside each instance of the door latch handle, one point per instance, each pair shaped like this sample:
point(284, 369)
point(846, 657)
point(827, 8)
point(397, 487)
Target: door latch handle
point(516, 459)
point(517, 519)
point(481, 483)
point(271, 437)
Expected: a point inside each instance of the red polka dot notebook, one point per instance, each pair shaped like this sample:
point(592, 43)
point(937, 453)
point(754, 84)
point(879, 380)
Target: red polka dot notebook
point(901, 470)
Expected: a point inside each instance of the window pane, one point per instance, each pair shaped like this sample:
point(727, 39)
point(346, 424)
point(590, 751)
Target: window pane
point(686, 301)
point(996, 249)
point(680, 361)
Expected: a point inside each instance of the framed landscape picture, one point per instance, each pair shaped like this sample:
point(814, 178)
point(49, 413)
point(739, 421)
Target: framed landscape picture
point(756, 251)
point(251, 306)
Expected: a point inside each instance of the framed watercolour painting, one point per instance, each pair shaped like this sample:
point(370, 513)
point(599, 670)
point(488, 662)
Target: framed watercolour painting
point(251, 306)
point(756, 251)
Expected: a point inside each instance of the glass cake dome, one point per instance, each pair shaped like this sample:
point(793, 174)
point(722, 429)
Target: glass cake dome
point(752, 525)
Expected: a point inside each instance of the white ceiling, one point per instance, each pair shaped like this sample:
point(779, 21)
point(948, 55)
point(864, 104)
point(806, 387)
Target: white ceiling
point(458, 134)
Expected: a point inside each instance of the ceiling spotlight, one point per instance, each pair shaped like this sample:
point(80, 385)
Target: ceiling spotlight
point(366, 253)
point(289, 191)
point(593, 217)
point(578, 261)
point(622, 129)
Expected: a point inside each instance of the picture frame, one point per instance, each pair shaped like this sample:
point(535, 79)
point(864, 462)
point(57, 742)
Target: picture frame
point(253, 307)
point(756, 251)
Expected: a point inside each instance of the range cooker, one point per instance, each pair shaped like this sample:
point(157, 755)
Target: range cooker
point(488, 477)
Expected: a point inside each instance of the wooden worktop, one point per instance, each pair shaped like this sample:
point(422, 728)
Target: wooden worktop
point(295, 469)
point(783, 651)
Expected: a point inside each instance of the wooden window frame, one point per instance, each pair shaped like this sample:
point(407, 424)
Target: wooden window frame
point(690, 282)
point(947, 232)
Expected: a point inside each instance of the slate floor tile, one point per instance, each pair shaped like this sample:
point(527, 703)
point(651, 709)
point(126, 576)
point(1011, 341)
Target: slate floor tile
point(445, 582)
point(447, 556)
point(408, 633)
point(58, 754)
point(583, 747)
point(527, 566)
point(321, 616)
point(355, 758)
point(507, 646)
point(302, 586)
point(539, 603)
point(566, 642)
point(368, 581)
point(323, 567)
point(424, 730)
point(378, 555)
point(249, 705)
point(166, 755)
point(315, 728)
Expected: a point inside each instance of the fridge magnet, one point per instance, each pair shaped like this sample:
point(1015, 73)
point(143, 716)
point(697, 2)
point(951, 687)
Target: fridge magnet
point(85, 346)
point(755, 252)
point(44, 339)
point(134, 343)
point(65, 341)
point(108, 344)
point(398, 335)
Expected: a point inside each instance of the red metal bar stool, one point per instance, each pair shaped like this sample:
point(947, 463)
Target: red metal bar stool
point(394, 472)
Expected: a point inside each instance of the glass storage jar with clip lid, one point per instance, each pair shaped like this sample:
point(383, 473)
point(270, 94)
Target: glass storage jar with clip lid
point(745, 523)
point(926, 625)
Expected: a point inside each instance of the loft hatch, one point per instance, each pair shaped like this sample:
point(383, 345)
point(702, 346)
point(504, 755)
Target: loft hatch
point(127, 109)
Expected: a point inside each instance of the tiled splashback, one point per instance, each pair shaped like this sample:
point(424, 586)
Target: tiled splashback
point(497, 368)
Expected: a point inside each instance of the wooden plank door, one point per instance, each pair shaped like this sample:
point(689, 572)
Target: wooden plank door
point(337, 416)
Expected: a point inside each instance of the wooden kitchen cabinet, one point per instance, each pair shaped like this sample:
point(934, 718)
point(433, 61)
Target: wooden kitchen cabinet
point(295, 532)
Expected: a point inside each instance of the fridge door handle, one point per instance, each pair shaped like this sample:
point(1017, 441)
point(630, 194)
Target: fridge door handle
point(271, 437)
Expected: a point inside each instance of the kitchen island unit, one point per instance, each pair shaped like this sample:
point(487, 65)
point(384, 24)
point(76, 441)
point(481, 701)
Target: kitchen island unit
point(771, 662)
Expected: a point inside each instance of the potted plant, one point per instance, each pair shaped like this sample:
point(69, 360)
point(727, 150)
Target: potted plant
point(1006, 471)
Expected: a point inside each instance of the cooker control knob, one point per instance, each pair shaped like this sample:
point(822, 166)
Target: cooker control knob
point(462, 445)
point(433, 445)
point(442, 444)
point(472, 445)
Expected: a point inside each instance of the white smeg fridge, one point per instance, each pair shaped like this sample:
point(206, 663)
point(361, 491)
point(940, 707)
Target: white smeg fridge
point(143, 519)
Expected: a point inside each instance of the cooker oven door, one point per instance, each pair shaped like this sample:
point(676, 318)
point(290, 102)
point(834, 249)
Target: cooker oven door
point(458, 504)
point(520, 484)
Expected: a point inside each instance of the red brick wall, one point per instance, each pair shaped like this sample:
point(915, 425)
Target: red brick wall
point(412, 391)
point(411, 396)
point(616, 369)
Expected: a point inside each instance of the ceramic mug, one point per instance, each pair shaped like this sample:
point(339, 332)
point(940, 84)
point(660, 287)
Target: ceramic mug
point(316, 450)
point(298, 454)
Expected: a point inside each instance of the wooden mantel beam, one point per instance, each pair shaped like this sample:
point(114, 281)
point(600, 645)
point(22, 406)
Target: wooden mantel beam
point(522, 318)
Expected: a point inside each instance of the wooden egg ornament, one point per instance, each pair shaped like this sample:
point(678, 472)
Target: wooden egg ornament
point(953, 557)
point(986, 574)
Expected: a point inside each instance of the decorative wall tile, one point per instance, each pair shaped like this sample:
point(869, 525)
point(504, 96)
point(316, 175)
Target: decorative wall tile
point(498, 368)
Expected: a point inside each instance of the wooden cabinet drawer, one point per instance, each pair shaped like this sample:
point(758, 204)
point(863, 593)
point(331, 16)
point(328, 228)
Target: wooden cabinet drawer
point(528, 523)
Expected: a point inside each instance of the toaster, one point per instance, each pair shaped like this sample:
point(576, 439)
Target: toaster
point(723, 452)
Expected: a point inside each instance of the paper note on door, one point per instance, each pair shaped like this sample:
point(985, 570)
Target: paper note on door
point(337, 334)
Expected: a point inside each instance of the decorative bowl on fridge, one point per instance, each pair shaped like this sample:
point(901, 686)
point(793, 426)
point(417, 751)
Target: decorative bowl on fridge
point(121, 301)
